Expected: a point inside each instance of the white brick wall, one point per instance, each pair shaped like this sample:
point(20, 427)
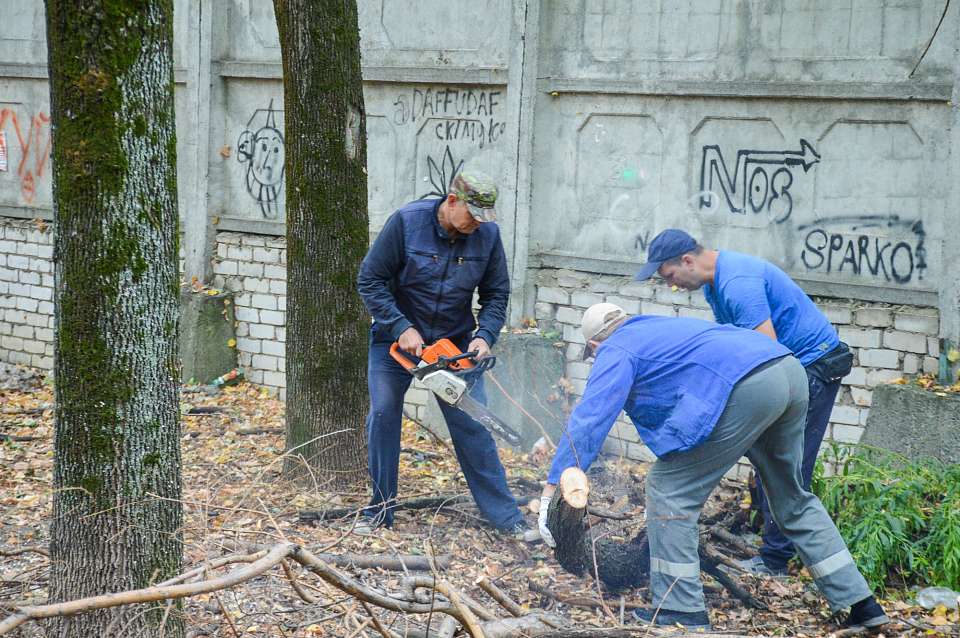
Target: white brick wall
point(887, 341)
point(255, 268)
point(26, 294)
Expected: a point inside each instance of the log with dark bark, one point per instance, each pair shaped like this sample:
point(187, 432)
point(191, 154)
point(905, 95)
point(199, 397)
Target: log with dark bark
point(710, 566)
point(618, 565)
point(425, 502)
point(565, 520)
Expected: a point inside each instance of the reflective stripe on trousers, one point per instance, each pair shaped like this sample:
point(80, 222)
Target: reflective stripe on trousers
point(765, 415)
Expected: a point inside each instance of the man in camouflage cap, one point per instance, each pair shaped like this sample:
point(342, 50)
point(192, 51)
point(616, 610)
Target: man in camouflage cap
point(479, 192)
point(418, 281)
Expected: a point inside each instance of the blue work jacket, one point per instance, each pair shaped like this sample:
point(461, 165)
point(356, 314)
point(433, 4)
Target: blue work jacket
point(416, 274)
point(672, 377)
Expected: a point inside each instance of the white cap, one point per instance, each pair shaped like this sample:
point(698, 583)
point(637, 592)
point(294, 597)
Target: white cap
point(596, 319)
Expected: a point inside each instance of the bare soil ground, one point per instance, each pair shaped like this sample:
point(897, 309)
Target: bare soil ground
point(234, 493)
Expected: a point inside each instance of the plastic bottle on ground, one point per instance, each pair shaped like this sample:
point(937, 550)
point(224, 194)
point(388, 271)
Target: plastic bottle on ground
point(930, 597)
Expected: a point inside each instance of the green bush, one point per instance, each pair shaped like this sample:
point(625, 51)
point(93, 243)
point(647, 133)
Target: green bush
point(900, 518)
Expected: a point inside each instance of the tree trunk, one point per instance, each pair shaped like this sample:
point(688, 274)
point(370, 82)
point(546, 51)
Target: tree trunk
point(327, 238)
point(618, 565)
point(116, 516)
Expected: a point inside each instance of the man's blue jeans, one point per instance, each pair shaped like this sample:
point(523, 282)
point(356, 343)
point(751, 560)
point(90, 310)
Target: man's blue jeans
point(475, 448)
point(776, 550)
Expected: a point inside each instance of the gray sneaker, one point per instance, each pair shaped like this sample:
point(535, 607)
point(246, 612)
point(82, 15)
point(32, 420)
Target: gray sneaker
point(757, 567)
point(365, 526)
point(524, 533)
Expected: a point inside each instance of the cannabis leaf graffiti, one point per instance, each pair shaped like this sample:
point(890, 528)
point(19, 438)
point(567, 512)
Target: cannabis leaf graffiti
point(441, 175)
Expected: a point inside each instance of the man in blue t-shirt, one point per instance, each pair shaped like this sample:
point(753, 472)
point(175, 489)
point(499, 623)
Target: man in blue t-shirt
point(702, 395)
point(752, 293)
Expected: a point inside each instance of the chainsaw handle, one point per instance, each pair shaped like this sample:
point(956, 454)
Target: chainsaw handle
point(400, 357)
point(470, 356)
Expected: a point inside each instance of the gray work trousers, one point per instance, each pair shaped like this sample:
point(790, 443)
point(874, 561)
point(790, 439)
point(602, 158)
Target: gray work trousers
point(764, 415)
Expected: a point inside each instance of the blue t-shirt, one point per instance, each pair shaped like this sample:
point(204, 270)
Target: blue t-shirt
point(746, 291)
point(672, 377)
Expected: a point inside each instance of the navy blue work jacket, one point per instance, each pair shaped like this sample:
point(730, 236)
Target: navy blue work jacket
point(672, 376)
point(415, 274)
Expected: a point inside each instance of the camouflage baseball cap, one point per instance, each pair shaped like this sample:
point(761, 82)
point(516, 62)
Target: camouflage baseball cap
point(478, 191)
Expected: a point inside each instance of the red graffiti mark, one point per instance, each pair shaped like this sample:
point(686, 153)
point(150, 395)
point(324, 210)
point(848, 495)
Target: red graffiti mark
point(33, 142)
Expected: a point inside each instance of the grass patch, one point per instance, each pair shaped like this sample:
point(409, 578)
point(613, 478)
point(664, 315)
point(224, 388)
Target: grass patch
point(900, 518)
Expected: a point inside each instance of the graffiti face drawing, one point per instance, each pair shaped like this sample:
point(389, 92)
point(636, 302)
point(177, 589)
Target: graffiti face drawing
point(267, 162)
point(262, 152)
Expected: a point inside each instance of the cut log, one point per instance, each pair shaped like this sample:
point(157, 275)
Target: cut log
point(618, 565)
point(565, 520)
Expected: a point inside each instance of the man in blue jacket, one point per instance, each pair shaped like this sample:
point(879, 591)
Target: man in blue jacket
point(752, 293)
point(417, 281)
point(701, 395)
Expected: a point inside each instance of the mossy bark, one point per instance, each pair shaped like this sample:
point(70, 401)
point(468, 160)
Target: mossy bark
point(116, 512)
point(327, 238)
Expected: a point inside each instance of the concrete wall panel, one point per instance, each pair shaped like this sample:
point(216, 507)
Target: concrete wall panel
point(252, 164)
point(23, 33)
point(252, 29)
point(435, 33)
point(394, 33)
point(737, 40)
point(835, 191)
point(618, 168)
point(418, 135)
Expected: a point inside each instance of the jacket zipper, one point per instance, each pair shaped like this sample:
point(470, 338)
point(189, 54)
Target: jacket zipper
point(443, 277)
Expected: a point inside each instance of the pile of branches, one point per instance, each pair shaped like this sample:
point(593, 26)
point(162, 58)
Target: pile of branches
point(446, 608)
point(442, 610)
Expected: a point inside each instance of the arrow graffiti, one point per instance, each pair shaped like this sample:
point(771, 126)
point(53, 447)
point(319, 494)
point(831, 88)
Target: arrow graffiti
point(755, 182)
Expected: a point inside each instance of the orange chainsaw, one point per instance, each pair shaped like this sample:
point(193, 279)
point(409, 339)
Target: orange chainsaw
point(450, 374)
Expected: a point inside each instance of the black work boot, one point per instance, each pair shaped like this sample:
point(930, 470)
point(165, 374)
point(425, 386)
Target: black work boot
point(866, 613)
point(670, 618)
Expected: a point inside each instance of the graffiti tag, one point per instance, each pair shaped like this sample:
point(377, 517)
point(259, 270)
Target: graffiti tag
point(847, 250)
point(761, 180)
point(462, 103)
point(34, 149)
point(461, 114)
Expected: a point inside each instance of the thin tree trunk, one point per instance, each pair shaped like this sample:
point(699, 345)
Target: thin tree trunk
point(326, 238)
point(117, 437)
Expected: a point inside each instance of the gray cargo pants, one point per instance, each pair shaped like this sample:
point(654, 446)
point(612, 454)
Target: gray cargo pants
point(765, 415)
